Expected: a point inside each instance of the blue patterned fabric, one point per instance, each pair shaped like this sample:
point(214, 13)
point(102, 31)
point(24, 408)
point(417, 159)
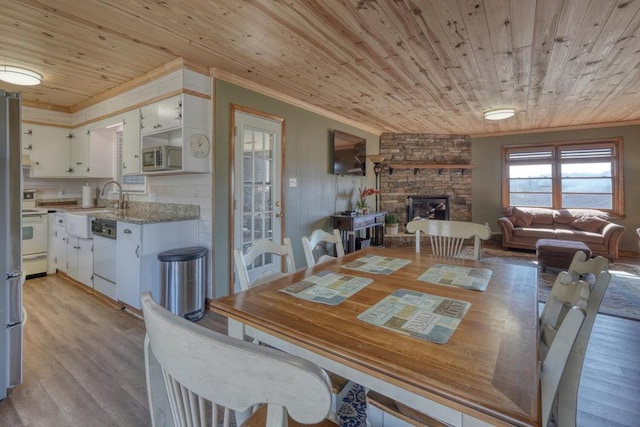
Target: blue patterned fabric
point(353, 410)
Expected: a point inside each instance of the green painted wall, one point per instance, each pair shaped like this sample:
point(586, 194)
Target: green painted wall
point(487, 176)
point(318, 194)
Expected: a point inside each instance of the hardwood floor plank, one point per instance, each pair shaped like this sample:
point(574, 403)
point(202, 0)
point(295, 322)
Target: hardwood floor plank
point(84, 365)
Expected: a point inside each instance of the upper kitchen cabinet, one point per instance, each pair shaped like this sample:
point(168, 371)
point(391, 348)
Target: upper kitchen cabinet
point(161, 116)
point(48, 148)
point(183, 123)
point(102, 145)
point(131, 143)
point(79, 153)
point(91, 153)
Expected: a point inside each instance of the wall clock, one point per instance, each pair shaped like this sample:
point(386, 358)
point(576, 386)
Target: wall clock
point(199, 145)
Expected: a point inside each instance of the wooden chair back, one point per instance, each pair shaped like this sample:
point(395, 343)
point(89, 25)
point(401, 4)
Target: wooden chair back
point(567, 401)
point(322, 238)
point(447, 237)
point(261, 247)
point(205, 373)
point(557, 359)
point(567, 291)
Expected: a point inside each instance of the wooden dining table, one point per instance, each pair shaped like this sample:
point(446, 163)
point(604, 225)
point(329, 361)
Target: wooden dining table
point(486, 374)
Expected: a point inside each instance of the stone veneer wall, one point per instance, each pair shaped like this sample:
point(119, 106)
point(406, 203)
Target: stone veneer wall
point(408, 149)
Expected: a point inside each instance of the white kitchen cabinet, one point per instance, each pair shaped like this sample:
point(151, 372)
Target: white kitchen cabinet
point(161, 116)
point(138, 246)
point(131, 143)
point(189, 130)
point(49, 150)
point(80, 260)
point(60, 243)
point(102, 145)
point(79, 153)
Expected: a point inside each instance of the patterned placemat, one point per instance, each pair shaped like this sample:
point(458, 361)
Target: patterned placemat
point(327, 287)
point(428, 317)
point(461, 277)
point(377, 264)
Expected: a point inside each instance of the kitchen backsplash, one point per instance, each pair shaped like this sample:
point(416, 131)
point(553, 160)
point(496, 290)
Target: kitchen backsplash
point(60, 188)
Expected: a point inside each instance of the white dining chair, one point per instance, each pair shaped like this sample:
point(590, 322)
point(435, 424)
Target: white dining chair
point(566, 291)
point(259, 248)
point(447, 237)
point(327, 242)
point(198, 377)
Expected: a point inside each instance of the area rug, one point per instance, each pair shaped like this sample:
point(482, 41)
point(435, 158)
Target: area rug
point(622, 298)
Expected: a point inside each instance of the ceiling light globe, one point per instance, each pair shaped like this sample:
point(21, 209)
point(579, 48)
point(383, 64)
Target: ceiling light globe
point(499, 114)
point(19, 76)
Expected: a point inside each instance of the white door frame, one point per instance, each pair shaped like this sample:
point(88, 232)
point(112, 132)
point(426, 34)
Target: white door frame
point(235, 172)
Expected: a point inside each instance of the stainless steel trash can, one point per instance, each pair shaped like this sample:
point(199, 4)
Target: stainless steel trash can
point(183, 281)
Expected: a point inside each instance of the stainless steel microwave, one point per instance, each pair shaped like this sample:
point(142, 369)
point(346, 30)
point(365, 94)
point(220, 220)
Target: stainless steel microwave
point(161, 158)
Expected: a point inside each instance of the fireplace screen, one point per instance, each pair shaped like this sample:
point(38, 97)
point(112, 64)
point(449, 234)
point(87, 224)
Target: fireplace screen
point(427, 207)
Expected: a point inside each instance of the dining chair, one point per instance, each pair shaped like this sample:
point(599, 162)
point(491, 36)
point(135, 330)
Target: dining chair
point(551, 374)
point(320, 239)
point(567, 402)
point(196, 375)
point(447, 237)
point(242, 262)
point(259, 248)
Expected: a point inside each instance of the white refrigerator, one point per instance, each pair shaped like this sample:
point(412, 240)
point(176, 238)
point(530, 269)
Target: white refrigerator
point(11, 311)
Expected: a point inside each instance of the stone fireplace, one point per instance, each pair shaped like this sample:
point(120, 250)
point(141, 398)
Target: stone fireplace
point(445, 185)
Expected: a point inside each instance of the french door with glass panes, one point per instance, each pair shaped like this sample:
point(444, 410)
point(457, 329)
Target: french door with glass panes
point(258, 212)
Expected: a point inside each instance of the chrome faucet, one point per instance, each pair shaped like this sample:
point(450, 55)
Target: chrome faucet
point(121, 199)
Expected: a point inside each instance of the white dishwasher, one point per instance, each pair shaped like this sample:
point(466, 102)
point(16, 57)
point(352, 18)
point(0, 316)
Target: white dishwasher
point(104, 256)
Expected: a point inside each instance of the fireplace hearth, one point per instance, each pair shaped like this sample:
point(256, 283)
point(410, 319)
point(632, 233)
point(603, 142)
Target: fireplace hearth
point(427, 207)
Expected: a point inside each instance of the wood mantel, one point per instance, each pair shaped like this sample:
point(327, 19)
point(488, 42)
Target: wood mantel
point(415, 167)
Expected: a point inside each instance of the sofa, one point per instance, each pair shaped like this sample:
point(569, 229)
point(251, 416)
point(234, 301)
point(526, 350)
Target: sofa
point(522, 227)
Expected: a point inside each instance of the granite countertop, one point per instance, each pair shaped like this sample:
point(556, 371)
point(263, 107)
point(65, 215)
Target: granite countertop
point(147, 219)
point(137, 213)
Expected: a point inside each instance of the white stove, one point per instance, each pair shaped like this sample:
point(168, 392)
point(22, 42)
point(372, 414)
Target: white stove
point(35, 235)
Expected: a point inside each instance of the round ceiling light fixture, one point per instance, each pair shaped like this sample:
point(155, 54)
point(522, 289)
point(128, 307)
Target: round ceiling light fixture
point(19, 76)
point(499, 114)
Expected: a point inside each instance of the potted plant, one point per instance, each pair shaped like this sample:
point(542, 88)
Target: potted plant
point(361, 203)
point(391, 223)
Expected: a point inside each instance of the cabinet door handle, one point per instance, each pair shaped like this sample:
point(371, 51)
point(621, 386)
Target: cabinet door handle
point(138, 251)
point(60, 221)
point(127, 231)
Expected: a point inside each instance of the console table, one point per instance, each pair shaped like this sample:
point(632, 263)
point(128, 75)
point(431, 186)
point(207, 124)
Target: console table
point(372, 223)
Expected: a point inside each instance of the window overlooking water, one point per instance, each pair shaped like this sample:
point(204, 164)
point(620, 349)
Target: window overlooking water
point(564, 175)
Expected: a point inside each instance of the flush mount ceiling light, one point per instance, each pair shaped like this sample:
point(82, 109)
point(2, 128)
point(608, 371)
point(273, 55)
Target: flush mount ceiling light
point(19, 76)
point(499, 114)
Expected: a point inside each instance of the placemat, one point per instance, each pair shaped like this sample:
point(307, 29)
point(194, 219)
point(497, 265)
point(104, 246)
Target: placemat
point(377, 264)
point(461, 277)
point(327, 287)
point(427, 317)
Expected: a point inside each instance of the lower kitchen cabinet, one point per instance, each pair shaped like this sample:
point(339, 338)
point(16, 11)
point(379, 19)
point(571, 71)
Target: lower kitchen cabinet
point(138, 246)
point(60, 244)
point(73, 255)
point(80, 260)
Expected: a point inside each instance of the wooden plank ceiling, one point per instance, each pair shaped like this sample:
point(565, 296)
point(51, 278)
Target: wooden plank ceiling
point(391, 65)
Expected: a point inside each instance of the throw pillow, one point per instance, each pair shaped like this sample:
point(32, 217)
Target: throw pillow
point(589, 223)
point(523, 219)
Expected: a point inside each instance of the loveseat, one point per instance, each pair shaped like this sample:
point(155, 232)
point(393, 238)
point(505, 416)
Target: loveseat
point(522, 227)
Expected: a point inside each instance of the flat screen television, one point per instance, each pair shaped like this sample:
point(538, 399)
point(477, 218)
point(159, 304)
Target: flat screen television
point(349, 154)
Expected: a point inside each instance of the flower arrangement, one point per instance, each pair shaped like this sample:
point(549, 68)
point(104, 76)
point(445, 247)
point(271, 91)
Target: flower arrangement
point(363, 193)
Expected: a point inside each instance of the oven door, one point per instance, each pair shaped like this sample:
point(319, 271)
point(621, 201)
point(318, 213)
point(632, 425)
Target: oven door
point(34, 234)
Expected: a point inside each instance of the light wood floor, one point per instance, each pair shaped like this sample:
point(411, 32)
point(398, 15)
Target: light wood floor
point(84, 365)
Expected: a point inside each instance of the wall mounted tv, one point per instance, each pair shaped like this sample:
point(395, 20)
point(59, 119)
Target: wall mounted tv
point(349, 154)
